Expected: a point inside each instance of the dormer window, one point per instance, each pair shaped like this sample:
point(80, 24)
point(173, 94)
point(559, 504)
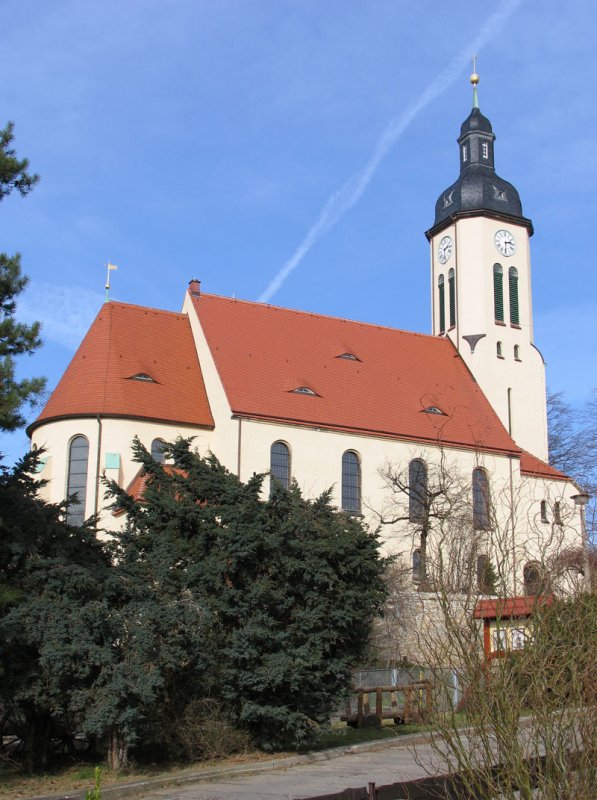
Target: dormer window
point(348, 357)
point(304, 390)
point(142, 376)
point(434, 410)
point(484, 149)
point(448, 199)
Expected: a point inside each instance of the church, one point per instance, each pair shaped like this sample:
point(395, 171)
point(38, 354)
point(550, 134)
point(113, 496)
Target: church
point(376, 413)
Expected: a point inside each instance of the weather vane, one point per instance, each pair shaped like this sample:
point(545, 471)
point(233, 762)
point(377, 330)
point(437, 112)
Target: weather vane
point(110, 267)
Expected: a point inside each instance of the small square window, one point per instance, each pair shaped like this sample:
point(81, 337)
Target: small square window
point(112, 460)
point(41, 463)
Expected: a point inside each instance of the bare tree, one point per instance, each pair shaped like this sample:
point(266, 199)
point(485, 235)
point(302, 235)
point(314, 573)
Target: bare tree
point(573, 447)
point(529, 709)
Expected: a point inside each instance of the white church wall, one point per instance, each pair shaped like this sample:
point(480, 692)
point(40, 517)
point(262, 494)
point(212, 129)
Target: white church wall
point(116, 439)
point(516, 535)
point(514, 385)
point(224, 437)
point(552, 536)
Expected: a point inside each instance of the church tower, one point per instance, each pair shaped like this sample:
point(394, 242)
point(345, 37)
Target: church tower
point(481, 285)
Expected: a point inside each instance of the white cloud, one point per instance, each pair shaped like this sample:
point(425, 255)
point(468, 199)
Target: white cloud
point(65, 312)
point(348, 195)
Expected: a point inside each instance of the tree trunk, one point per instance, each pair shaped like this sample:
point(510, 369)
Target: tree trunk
point(423, 584)
point(118, 751)
point(38, 742)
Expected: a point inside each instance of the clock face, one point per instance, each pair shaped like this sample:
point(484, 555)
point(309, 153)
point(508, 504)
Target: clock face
point(505, 243)
point(444, 250)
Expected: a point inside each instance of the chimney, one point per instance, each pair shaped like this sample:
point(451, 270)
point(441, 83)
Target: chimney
point(195, 287)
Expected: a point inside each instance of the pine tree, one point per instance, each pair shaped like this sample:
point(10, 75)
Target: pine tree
point(15, 338)
point(53, 615)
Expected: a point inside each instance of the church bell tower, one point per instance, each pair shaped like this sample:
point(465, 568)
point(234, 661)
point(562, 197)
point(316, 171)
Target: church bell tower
point(481, 285)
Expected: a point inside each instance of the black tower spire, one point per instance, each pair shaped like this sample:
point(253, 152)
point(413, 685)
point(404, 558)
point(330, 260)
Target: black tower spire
point(478, 188)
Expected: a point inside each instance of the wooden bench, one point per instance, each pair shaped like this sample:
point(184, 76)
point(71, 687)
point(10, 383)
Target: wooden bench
point(416, 705)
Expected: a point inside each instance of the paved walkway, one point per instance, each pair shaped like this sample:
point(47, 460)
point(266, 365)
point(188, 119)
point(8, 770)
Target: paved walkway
point(383, 762)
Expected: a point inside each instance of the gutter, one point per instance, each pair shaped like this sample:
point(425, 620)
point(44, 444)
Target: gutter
point(97, 465)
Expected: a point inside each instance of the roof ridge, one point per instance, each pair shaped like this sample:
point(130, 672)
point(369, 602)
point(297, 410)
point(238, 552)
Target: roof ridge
point(316, 314)
point(113, 303)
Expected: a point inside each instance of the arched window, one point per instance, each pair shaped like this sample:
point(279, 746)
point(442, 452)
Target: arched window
point(78, 458)
point(280, 464)
point(351, 482)
point(485, 575)
point(452, 293)
point(532, 576)
point(499, 350)
point(544, 517)
point(498, 293)
point(481, 500)
point(417, 490)
point(557, 513)
point(441, 300)
point(513, 286)
point(516, 352)
point(416, 565)
point(157, 450)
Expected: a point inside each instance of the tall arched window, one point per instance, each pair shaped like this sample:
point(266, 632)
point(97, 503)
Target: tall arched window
point(78, 458)
point(351, 482)
point(417, 490)
point(498, 293)
point(481, 500)
point(452, 293)
point(280, 464)
point(532, 576)
point(485, 575)
point(513, 287)
point(442, 308)
point(157, 450)
point(416, 565)
point(543, 507)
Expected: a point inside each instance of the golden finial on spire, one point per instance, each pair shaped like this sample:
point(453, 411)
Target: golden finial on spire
point(475, 80)
point(474, 76)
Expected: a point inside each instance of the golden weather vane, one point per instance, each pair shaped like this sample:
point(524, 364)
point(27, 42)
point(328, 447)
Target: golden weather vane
point(110, 268)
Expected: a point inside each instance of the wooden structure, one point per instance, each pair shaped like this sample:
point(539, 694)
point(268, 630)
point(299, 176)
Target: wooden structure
point(416, 704)
point(507, 622)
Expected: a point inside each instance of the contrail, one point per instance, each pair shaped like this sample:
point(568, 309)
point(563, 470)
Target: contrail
point(345, 198)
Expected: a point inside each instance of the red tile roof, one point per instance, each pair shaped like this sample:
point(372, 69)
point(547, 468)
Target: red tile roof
point(126, 340)
point(503, 607)
point(530, 465)
point(263, 353)
point(136, 488)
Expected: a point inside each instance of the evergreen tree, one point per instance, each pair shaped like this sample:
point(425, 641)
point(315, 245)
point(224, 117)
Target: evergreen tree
point(53, 615)
point(280, 594)
point(15, 338)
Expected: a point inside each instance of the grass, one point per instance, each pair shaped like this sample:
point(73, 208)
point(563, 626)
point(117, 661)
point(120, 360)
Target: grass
point(341, 735)
point(14, 785)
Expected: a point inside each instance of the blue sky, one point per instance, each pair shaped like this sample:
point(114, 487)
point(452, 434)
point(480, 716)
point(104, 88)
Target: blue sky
point(190, 138)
